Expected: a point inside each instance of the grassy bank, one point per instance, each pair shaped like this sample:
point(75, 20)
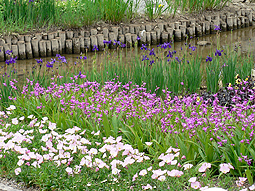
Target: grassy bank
point(24, 15)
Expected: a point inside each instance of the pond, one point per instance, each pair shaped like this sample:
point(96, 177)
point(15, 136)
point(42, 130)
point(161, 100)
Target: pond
point(244, 38)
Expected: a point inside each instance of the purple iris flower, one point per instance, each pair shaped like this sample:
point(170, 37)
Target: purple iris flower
point(8, 52)
point(145, 58)
point(170, 54)
point(208, 59)
point(217, 28)
point(82, 57)
point(218, 52)
point(107, 42)
point(62, 58)
point(193, 48)
point(95, 48)
point(49, 65)
point(117, 42)
point(166, 45)
point(122, 45)
point(11, 61)
point(39, 61)
point(152, 52)
point(177, 59)
point(144, 47)
point(138, 38)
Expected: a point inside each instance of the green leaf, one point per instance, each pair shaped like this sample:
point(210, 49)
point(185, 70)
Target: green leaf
point(106, 125)
point(249, 176)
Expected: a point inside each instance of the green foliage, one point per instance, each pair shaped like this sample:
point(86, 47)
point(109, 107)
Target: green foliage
point(24, 14)
point(245, 65)
point(229, 70)
point(76, 14)
point(115, 10)
point(213, 75)
point(193, 75)
point(153, 9)
point(195, 5)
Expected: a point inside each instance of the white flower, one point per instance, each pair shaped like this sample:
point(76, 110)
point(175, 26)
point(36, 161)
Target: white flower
point(252, 187)
point(149, 169)
point(21, 118)
point(20, 162)
point(69, 170)
point(15, 121)
point(93, 151)
point(52, 126)
point(162, 178)
point(37, 124)
point(148, 143)
point(187, 166)
point(8, 113)
point(148, 186)
point(12, 107)
point(30, 116)
point(193, 179)
point(44, 119)
point(115, 171)
point(143, 172)
point(17, 171)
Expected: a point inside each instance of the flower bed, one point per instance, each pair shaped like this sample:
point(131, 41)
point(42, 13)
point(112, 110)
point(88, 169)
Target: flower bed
point(79, 136)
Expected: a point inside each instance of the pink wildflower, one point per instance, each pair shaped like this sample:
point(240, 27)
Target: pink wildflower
point(196, 185)
point(17, 171)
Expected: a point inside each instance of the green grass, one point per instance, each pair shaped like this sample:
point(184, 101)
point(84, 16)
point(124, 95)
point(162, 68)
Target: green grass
point(23, 15)
point(193, 6)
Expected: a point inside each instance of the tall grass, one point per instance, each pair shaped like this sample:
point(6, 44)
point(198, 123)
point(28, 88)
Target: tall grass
point(245, 66)
point(153, 9)
point(78, 13)
point(212, 76)
point(25, 14)
point(22, 15)
point(229, 70)
point(195, 5)
point(115, 10)
point(193, 75)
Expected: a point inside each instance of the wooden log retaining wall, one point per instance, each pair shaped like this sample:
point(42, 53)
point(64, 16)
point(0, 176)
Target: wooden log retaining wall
point(73, 42)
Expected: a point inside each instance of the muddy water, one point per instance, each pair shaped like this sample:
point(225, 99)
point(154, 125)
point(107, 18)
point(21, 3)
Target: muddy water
point(244, 38)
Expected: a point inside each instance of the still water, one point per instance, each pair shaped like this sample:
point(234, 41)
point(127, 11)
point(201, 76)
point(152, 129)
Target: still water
point(243, 38)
